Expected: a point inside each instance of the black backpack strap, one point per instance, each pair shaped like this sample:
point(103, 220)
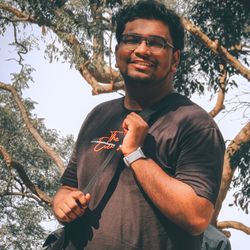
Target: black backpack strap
point(100, 170)
point(104, 175)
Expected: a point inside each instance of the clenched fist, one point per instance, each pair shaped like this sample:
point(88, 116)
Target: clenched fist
point(135, 130)
point(69, 204)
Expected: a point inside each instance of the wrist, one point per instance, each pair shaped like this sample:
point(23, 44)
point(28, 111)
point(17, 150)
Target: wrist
point(133, 156)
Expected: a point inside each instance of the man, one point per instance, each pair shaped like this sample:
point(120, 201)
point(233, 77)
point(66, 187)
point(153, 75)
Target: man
point(164, 198)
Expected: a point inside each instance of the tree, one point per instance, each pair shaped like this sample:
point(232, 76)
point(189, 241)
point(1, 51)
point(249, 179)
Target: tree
point(27, 176)
point(82, 34)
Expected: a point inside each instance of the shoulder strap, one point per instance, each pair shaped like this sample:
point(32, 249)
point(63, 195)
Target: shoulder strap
point(164, 104)
point(147, 114)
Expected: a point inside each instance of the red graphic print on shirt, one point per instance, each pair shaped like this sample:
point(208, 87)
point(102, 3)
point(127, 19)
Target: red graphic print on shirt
point(107, 142)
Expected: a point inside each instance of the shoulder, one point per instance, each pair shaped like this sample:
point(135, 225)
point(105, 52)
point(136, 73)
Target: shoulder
point(105, 109)
point(185, 120)
point(190, 115)
point(111, 104)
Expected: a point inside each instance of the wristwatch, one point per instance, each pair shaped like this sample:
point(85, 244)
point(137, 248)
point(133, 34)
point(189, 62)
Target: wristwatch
point(137, 154)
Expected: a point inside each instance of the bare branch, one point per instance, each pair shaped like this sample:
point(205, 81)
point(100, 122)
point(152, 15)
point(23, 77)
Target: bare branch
point(14, 20)
point(93, 75)
point(98, 40)
point(216, 48)
point(228, 170)
point(46, 148)
point(28, 195)
point(221, 94)
point(23, 50)
point(21, 172)
point(107, 88)
point(235, 225)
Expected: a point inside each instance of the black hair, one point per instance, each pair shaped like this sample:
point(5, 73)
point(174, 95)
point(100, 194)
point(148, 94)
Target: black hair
point(151, 10)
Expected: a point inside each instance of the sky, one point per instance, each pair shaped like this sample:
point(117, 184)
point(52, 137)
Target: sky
point(64, 99)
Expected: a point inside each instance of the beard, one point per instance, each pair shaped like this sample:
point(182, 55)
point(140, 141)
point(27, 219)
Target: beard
point(137, 81)
point(144, 81)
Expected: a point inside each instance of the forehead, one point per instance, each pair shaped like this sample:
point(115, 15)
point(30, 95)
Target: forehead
point(147, 27)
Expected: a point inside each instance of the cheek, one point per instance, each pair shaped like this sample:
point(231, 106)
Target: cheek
point(122, 58)
point(166, 63)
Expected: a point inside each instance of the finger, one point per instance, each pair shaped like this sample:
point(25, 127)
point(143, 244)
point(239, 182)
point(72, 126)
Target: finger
point(135, 119)
point(66, 214)
point(62, 216)
point(82, 200)
point(75, 207)
point(76, 195)
point(138, 119)
point(88, 197)
point(127, 124)
point(69, 211)
point(124, 125)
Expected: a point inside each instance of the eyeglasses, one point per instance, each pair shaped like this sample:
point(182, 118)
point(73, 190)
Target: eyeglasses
point(154, 43)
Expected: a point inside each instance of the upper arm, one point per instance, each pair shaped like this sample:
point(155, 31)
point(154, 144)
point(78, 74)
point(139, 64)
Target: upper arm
point(69, 177)
point(200, 162)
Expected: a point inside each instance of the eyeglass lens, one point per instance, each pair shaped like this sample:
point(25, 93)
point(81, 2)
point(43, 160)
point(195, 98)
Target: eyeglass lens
point(155, 43)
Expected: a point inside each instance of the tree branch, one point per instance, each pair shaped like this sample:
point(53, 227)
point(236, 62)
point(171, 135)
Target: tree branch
point(221, 94)
point(98, 40)
point(107, 88)
point(46, 148)
point(93, 75)
point(23, 49)
point(228, 170)
point(100, 72)
point(216, 48)
point(235, 225)
point(22, 174)
point(19, 14)
point(28, 195)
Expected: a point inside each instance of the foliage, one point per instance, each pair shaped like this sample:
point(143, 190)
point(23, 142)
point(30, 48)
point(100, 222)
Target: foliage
point(226, 22)
point(20, 228)
point(21, 214)
point(241, 182)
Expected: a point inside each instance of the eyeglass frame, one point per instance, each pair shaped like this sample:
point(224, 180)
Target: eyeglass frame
point(145, 38)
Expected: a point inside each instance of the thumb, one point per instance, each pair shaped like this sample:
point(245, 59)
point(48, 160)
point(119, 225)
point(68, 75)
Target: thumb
point(87, 197)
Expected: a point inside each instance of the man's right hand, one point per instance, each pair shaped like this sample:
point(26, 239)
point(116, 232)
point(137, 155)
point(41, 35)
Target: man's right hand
point(69, 203)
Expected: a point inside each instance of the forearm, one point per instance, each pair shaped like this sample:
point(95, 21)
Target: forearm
point(174, 198)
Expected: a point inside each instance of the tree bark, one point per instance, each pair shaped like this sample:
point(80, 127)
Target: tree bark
point(46, 148)
point(22, 174)
point(216, 48)
point(228, 170)
point(219, 106)
point(235, 225)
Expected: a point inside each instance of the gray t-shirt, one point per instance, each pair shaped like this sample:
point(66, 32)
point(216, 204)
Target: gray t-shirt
point(184, 141)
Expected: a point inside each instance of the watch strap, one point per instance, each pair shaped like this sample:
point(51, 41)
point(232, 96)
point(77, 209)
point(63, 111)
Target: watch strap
point(137, 154)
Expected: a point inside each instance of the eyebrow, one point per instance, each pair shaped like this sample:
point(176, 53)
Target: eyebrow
point(137, 34)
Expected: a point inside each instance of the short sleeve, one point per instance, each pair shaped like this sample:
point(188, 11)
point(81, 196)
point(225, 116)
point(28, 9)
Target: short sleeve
point(69, 177)
point(200, 162)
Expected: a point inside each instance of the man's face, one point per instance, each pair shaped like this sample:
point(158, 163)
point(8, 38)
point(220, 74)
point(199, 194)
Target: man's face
point(143, 64)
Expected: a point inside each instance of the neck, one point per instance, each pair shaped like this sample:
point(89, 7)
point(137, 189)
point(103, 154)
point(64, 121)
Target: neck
point(140, 96)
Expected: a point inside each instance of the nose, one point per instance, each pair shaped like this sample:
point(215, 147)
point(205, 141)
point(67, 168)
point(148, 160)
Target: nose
point(142, 48)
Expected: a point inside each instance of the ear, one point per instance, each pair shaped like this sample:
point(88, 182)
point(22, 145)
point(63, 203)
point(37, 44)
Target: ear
point(175, 60)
